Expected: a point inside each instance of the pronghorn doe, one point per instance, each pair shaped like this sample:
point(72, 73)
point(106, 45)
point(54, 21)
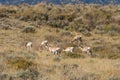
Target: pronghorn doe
point(86, 49)
point(77, 38)
point(44, 44)
point(29, 45)
point(54, 50)
point(69, 49)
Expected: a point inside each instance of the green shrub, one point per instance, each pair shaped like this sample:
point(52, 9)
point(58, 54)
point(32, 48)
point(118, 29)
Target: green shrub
point(19, 63)
point(73, 55)
point(52, 38)
point(91, 76)
point(113, 56)
point(57, 23)
point(6, 27)
point(29, 74)
point(112, 33)
point(29, 29)
point(112, 28)
point(113, 78)
point(3, 15)
point(98, 48)
point(65, 33)
point(57, 59)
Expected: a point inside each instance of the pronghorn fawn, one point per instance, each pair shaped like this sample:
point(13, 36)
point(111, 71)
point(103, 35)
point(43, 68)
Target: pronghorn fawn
point(69, 49)
point(86, 49)
point(77, 38)
point(29, 45)
point(54, 50)
point(44, 44)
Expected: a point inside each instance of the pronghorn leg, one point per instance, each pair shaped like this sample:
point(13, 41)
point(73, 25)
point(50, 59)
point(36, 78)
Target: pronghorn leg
point(89, 52)
point(54, 53)
point(28, 48)
point(57, 52)
point(40, 47)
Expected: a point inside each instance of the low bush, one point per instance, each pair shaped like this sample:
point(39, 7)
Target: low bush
point(112, 28)
point(29, 29)
point(52, 38)
point(19, 63)
point(73, 55)
point(57, 59)
point(29, 74)
point(91, 76)
point(65, 33)
point(113, 56)
point(114, 78)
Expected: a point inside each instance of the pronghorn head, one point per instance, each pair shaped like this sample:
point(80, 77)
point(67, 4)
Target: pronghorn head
point(77, 38)
point(29, 43)
point(81, 47)
point(46, 41)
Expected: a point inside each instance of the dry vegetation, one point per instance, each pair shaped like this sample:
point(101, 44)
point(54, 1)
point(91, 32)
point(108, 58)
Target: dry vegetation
point(99, 26)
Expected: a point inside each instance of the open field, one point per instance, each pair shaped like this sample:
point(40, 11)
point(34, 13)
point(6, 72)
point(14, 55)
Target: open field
point(98, 25)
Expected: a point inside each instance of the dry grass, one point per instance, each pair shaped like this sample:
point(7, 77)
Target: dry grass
point(16, 62)
point(51, 66)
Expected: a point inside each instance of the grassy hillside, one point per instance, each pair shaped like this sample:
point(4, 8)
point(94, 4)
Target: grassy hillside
point(98, 25)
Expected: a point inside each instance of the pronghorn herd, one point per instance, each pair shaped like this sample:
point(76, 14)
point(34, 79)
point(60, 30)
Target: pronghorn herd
point(57, 50)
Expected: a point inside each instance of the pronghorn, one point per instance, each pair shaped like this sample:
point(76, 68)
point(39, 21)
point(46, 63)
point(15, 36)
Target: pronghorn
point(86, 49)
point(77, 38)
point(29, 45)
point(69, 49)
point(54, 50)
point(44, 44)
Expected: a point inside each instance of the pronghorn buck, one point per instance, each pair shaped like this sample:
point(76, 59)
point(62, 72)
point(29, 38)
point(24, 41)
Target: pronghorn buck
point(86, 49)
point(44, 44)
point(54, 50)
point(69, 49)
point(29, 45)
point(77, 38)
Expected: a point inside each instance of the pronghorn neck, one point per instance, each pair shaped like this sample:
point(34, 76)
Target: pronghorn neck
point(81, 46)
point(47, 46)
